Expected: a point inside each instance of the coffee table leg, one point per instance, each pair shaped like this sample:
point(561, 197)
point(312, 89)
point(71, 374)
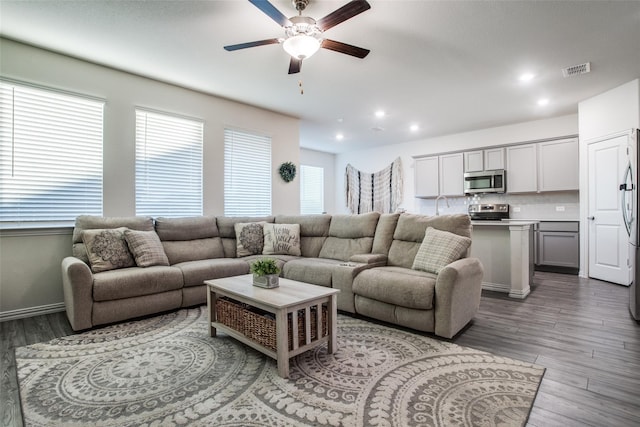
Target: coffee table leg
point(282, 343)
point(332, 345)
point(211, 305)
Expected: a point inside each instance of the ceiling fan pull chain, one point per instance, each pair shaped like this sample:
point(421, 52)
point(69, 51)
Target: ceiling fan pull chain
point(301, 89)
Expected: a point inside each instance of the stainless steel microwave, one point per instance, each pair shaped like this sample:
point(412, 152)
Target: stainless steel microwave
point(485, 182)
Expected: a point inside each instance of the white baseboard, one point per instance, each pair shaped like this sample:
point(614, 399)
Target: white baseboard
point(498, 287)
point(31, 311)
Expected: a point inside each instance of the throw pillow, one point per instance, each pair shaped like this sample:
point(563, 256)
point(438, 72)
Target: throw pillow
point(281, 239)
point(439, 249)
point(249, 238)
point(107, 249)
point(146, 248)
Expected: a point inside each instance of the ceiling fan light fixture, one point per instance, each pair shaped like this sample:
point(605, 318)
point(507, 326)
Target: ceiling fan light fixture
point(301, 46)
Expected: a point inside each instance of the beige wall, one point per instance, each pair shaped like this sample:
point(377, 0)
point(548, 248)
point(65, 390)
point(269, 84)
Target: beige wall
point(27, 260)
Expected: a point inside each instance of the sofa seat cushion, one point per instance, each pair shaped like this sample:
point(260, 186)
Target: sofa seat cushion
point(398, 286)
point(135, 281)
point(317, 271)
point(196, 272)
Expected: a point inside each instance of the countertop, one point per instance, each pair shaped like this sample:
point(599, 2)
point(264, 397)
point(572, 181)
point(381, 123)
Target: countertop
point(505, 222)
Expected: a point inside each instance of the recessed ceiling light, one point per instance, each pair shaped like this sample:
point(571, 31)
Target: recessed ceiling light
point(380, 114)
point(414, 128)
point(543, 101)
point(339, 136)
point(526, 77)
point(340, 120)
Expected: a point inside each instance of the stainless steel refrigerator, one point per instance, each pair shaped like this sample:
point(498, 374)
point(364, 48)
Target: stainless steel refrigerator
point(630, 209)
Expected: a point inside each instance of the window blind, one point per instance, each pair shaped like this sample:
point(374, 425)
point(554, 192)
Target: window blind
point(168, 165)
point(50, 156)
point(311, 189)
point(247, 174)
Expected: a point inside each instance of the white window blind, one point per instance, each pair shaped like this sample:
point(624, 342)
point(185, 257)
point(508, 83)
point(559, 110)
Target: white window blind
point(311, 189)
point(168, 165)
point(50, 156)
point(247, 174)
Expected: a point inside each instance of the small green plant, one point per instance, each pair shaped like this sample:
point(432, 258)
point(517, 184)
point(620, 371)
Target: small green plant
point(264, 266)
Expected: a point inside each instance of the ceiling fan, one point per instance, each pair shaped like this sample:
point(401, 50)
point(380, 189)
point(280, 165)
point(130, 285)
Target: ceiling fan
point(303, 35)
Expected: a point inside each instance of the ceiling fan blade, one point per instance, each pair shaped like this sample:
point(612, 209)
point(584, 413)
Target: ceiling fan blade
point(251, 44)
point(348, 49)
point(347, 11)
point(271, 11)
point(295, 65)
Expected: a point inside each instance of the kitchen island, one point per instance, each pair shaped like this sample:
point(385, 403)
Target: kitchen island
point(505, 249)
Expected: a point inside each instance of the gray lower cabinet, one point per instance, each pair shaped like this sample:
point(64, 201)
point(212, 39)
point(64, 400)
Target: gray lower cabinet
point(558, 246)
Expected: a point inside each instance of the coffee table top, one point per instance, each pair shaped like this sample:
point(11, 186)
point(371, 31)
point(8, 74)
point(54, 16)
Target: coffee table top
point(289, 293)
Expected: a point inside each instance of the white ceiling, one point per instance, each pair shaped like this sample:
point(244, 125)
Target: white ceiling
point(449, 66)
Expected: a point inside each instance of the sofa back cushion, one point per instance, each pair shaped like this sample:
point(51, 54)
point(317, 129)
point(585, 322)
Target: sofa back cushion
point(91, 222)
point(384, 233)
point(227, 230)
point(410, 233)
point(189, 238)
point(314, 230)
point(350, 235)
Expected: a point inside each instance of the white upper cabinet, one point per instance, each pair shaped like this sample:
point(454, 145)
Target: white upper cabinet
point(452, 175)
point(427, 177)
point(474, 161)
point(493, 159)
point(522, 168)
point(558, 165)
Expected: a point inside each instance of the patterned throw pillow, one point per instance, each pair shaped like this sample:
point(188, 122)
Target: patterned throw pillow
point(249, 238)
point(107, 249)
point(281, 239)
point(146, 248)
point(439, 249)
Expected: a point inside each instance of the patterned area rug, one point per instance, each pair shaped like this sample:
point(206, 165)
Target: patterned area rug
point(166, 371)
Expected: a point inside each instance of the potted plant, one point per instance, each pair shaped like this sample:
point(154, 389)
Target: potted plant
point(265, 273)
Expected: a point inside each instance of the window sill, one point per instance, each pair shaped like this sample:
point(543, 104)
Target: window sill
point(40, 229)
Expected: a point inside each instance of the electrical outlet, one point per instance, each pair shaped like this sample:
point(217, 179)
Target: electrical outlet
point(559, 208)
point(516, 208)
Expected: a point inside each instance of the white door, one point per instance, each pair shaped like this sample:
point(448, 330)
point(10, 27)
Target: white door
point(608, 239)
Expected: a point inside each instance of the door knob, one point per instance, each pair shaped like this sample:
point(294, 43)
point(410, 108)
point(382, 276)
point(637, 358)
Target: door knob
point(591, 218)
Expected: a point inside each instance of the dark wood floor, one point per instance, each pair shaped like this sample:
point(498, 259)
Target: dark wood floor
point(579, 329)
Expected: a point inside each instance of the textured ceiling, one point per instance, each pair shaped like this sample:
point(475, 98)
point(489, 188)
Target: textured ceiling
point(449, 66)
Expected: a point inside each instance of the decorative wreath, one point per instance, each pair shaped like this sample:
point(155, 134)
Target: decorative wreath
point(287, 171)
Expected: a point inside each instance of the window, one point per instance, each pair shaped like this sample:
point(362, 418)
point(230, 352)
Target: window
point(168, 165)
point(311, 189)
point(247, 174)
point(50, 155)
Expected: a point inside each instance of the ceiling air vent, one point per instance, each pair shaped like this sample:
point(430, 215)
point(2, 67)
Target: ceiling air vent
point(575, 70)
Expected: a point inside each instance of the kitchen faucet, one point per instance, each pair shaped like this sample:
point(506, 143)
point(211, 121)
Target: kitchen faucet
point(445, 199)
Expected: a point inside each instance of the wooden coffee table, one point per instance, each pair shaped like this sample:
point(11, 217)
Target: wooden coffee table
point(290, 297)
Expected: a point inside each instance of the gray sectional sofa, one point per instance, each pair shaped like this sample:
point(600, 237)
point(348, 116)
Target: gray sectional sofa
point(369, 257)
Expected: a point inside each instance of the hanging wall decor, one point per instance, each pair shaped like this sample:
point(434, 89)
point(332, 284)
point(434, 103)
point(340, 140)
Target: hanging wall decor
point(287, 171)
point(374, 192)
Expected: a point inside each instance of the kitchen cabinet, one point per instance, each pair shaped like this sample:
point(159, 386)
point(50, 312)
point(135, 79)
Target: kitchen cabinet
point(493, 159)
point(558, 246)
point(439, 175)
point(426, 175)
point(522, 168)
point(452, 175)
point(558, 165)
point(484, 160)
point(474, 161)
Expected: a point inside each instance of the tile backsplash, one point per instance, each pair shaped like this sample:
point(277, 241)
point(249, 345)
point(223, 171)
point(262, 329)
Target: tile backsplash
point(563, 205)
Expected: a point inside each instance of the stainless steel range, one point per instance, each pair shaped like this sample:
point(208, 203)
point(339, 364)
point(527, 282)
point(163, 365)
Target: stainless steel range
point(489, 212)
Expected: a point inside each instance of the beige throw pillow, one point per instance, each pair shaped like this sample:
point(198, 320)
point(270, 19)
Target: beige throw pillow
point(107, 249)
point(439, 249)
point(281, 239)
point(249, 238)
point(146, 248)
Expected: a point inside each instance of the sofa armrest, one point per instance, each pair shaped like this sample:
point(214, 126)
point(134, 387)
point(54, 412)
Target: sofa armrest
point(457, 296)
point(378, 259)
point(77, 285)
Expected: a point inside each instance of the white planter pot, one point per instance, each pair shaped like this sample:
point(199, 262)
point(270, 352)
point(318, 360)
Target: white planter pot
point(266, 281)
